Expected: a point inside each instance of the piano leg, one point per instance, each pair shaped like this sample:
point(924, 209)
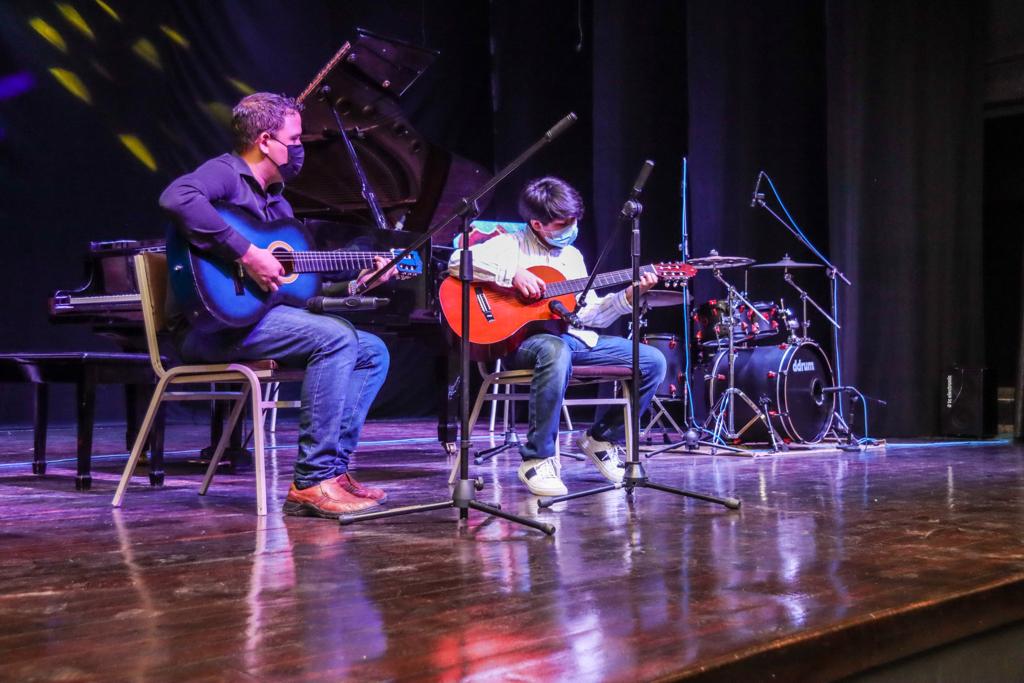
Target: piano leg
point(131, 411)
point(236, 457)
point(156, 444)
point(446, 374)
point(85, 390)
point(42, 406)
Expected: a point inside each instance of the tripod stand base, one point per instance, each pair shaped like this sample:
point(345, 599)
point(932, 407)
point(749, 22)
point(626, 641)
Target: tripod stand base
point(462, 499)
point(636, 477)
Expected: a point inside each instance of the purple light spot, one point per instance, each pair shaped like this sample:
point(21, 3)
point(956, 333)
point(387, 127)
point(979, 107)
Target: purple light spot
point(16, 84)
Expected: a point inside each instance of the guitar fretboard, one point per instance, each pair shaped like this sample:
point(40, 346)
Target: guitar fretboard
point(610, 279)
point(329, 261)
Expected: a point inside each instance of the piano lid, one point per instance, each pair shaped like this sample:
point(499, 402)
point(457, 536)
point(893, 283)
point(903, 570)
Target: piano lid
point(415, 181)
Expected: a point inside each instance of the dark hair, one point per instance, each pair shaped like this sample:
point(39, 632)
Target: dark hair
point(549, 198)
point(258, 112)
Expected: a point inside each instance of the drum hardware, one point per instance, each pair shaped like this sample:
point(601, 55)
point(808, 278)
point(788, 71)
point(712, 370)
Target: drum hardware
point(805, 298)
point(723, 412)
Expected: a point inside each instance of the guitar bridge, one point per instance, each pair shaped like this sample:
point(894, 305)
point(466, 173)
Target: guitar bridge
point(485, 306)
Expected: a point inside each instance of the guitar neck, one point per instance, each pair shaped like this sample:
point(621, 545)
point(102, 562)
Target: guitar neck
point(330, 261)
point(615, 277)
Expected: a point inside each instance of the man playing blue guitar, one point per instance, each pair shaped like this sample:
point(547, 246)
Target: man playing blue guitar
point(344, 368)
point(552, 208)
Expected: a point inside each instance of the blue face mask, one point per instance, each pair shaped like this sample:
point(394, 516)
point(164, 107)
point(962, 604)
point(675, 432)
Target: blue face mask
point(562, 238)
point(290, 169)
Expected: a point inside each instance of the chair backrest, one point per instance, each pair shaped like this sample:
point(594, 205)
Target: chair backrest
point(481, 231)
point(151, 275)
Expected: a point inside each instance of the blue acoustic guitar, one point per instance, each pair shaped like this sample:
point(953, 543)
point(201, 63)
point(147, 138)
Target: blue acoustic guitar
point(215, 294)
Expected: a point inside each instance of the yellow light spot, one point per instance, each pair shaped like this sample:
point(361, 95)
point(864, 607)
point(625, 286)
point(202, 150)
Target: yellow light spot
point(76, 20)
point(73, 83)
point(175, 36)
point(108, 9)
point(138, 149)
point(146, 51)
point(49, 33)
point(219, 112)
point(241, 86)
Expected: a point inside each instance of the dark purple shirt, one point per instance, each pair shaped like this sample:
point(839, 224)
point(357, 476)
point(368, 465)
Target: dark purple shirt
point(226, 178)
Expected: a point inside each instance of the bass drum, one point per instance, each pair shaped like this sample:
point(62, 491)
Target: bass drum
point(791, 377)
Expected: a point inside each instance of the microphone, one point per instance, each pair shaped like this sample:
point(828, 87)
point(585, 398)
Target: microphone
point(757, 195)
point(559, 309)
point(641, 179)
point(344, 304)
point(833, 390)
point(561, 126)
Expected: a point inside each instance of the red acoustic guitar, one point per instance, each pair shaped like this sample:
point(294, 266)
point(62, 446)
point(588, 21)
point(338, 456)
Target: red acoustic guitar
point(499, 319)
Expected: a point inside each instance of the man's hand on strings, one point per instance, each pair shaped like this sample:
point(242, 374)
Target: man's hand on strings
point(263, 267)
point(378, 263)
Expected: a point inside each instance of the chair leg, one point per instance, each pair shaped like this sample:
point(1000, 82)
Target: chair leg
point(140, 441)
point(565, 414)
point(494, 408)
point(480, 398)
point(258, 451)
point(222, 442)
point(627, 414)
point(473, 417)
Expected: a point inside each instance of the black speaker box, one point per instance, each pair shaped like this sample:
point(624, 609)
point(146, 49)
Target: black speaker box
point(968, 402)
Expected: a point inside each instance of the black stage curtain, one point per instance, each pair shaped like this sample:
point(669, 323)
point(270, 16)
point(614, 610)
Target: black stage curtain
point(905, 141)
point(621, 66)
point(866, 115)
point(868, 118)
point(167, 73)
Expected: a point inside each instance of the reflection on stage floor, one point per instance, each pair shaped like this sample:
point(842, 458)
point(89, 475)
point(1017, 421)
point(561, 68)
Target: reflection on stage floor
point(837, 562)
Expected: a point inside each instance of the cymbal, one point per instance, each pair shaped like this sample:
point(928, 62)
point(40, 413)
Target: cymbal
point(786, 262)
point(714, 261)
point(659, 298)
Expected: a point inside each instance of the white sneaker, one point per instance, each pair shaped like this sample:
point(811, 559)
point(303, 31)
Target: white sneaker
point(541, 477)
point(605, 455)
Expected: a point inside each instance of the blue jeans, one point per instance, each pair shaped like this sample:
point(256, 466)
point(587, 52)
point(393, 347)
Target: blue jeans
point(344, 371)
point(551, 358)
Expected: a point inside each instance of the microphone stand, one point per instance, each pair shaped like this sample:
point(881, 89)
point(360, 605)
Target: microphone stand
point(635, 475)
point(834, 275)
point(463, 495)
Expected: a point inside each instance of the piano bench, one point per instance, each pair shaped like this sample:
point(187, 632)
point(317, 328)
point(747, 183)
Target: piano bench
point(86, 369)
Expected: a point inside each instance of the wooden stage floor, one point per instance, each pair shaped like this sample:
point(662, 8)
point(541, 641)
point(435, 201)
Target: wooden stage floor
point(835, 563)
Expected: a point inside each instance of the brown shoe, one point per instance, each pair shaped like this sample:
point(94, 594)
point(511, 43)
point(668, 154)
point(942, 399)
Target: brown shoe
point(349, 483)
point(326, 499)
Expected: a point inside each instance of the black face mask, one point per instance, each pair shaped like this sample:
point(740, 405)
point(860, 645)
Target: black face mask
point(290, 169)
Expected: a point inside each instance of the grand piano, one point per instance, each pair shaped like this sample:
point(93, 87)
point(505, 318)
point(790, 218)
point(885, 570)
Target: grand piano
point(415, 183)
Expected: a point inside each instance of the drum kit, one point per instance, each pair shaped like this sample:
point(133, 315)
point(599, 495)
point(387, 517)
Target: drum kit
point(756, 373)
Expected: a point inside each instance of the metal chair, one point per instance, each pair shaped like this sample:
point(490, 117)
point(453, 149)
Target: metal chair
point(581, 375)
point(173, 383)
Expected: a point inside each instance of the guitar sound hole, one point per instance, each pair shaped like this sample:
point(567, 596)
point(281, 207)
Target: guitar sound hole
point(281, 254)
